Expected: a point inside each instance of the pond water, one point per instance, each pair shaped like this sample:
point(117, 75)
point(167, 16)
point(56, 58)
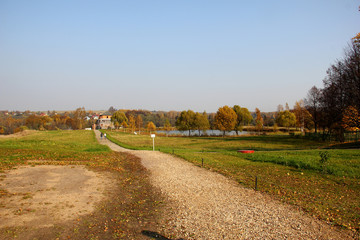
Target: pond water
point(208, 132)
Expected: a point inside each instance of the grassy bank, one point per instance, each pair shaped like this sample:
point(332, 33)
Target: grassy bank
point(131, 204)
point(286, 167)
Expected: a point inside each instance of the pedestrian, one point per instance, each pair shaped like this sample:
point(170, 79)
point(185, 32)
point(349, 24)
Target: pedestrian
point(105, 135)
point(101, 135)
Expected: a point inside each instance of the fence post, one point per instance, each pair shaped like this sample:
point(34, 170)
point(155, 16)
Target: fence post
point(256, 183)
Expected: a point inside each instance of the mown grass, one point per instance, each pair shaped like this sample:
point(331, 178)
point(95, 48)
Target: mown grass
point(287, 167)
point(131, 204)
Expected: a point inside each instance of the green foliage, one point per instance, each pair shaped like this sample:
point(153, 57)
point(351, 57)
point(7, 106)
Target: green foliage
point(185, 121)
point(201, 122)
point(243, 117)
point(286, 119)
point(118, 118)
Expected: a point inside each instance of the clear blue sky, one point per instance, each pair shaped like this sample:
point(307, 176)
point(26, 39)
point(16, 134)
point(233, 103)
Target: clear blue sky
point(168, 54)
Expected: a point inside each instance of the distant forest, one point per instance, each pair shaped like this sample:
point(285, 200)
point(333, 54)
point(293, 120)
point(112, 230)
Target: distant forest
point(16, 121)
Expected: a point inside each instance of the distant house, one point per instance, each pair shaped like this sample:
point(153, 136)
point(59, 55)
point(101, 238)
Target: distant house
point(104, 121)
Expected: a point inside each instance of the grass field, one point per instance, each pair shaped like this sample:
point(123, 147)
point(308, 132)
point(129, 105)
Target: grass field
point(132, 200)
point(286, 167)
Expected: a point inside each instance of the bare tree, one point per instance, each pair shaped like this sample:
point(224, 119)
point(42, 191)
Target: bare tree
point(312, 104)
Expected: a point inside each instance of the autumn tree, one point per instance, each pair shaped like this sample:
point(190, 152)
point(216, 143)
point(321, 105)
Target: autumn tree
point(167, 126)
point(286, 119)
point(225, 119)
point(185, 122)
point(2, 130)
point(118, 118)
point(351, 119)
point(303, 117)
point(124, 125)
point(243, 117)
point(78, 119)
point(259, 121)
point(139, 122)
point(201, 122)
point(151, 127)
point(341, 90)
point(132, 123)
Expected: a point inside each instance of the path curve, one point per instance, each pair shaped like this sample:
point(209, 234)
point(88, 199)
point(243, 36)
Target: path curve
point(206, 205)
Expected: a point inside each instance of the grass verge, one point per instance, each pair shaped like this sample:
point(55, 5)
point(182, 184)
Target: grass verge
point(288, 168)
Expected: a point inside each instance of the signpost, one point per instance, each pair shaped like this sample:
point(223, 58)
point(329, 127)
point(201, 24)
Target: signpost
point(153, 137)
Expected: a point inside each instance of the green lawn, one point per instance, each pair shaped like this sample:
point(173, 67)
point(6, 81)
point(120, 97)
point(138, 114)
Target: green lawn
point(287, 167)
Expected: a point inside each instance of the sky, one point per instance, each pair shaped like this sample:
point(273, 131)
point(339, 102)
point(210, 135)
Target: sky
point(168, 54)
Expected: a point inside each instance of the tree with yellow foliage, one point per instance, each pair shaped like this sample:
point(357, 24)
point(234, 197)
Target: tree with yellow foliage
point(259, 121)
point(132, 123)
point(351, 119)
point(225, 119)
point(151, 127)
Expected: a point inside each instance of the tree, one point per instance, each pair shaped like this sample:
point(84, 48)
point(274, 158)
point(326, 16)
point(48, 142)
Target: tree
point(341, 90)
point(151, 127)
point(2, 130)
point(201, 122)
point(124, 125)
point(286, 119)
point(139, 122)
point(167, 126)
point(259, 121)
point(303, 117)
point(78, 119)
point(312, 104)
point(243, 117)
point(118, 118)
point(185, 122)
point(225, 119)
point(287, 107)
point(112, 110)
point(132, 123)
point(351, 119)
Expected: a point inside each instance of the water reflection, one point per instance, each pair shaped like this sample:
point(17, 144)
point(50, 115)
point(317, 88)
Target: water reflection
point(206, 133)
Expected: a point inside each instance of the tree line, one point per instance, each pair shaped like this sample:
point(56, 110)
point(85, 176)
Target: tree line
point(225, 119)
point(52, 121)
point(335, 108)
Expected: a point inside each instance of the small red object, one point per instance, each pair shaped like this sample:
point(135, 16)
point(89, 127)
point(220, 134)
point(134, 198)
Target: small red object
point(246, 151)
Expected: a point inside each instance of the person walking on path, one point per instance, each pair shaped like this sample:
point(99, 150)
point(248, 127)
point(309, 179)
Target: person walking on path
point(101, 136)
point(105, 135)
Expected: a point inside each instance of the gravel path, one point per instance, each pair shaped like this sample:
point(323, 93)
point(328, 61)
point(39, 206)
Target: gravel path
point(205, 205)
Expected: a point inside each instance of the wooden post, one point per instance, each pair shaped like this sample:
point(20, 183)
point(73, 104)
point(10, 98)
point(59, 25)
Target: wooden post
point(256, 183)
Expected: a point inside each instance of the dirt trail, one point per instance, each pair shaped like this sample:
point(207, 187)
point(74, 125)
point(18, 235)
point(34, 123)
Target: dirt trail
point(205, 205)
point(44, 195)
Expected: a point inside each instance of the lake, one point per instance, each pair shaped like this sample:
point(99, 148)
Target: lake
point(208, 132)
